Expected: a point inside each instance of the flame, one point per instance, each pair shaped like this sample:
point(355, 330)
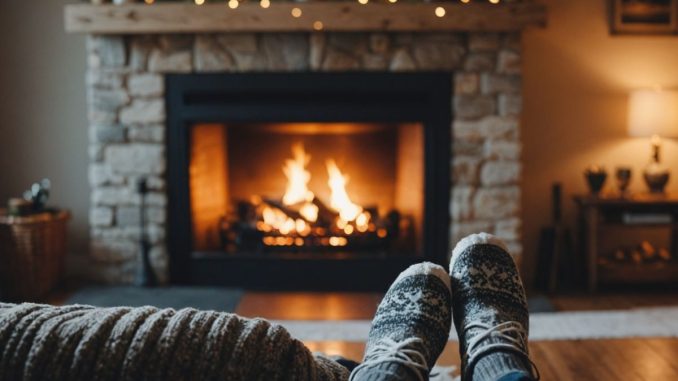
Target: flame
point(362, 222)
point(288, 227)
point(275, 218)
point(338, 241)
point(309, 211)
point(339, 200)
point(297, 177)
point(298, 197)
point(302, 227)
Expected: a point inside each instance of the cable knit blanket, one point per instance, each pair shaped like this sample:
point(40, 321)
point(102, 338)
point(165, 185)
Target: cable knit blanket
point(41, 342)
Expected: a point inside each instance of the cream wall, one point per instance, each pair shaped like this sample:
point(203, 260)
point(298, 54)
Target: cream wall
point(576, 80)
point(43, 130)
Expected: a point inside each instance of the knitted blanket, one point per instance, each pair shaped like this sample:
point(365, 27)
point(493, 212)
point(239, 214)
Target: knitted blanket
point(41, 342)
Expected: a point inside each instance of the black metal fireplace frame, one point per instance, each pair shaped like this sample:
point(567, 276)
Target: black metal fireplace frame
point(423, 97)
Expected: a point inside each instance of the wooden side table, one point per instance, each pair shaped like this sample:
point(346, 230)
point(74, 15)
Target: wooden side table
point(600, 216)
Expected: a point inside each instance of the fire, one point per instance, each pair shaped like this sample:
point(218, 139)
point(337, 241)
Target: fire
point(348, 211)
point(309, 211)
point(362, 222)
point(297, 177)
point(296, 218)
point(274, 217)
point(297, 183)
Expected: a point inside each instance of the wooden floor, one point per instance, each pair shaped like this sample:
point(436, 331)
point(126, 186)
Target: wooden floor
point(614, 301)
point(362, 305)
point(580, 360)
point(570, 360)
point(309, 305)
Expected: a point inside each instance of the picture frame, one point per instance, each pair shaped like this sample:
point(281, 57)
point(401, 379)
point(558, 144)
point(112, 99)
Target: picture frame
point(643, 16)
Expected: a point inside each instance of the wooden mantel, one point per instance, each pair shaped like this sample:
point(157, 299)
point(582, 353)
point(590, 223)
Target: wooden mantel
point(334, 16)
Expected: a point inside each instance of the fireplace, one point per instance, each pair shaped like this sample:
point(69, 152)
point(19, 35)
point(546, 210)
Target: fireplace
point(306, 180)
point(147, 90)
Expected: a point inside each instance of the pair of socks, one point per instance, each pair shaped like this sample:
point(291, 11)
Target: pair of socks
point(484, 295)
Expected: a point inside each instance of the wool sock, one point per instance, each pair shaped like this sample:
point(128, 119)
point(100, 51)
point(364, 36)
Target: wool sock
point(410, 328)
point(490, 310)
point(517, 376)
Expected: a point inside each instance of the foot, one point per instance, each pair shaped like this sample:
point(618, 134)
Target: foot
point(490, 310)
point(410, 328)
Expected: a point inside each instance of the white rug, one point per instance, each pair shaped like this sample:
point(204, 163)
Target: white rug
point(641, 322)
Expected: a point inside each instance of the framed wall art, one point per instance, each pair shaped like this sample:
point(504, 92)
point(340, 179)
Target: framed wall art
point(643, 16)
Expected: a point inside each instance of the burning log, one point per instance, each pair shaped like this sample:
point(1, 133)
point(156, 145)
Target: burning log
point(285, 209)
point(326, 216)
point(301, 221)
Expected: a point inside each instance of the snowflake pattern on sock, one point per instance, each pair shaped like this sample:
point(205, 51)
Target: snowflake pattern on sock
point(417, 305)
point(486, 289)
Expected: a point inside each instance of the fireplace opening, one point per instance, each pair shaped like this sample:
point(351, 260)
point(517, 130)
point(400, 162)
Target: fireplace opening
point(306, 180)
point(311, 188)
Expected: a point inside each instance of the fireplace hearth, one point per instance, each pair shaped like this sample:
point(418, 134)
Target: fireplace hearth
point(306, 180)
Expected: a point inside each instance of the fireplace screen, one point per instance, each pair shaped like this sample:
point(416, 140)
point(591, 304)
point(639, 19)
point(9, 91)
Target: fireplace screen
point(307, 188)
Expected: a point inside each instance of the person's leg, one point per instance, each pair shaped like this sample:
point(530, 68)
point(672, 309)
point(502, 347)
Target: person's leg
point(410, 328)
point(147, 343)
point(490, 311)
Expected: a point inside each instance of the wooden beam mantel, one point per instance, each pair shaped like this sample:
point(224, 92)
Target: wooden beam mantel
point(334, 16)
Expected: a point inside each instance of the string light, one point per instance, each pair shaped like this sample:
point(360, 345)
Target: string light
point(318, 25)
point(296, 12)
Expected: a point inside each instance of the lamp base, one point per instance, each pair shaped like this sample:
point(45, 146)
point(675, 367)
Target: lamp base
point(656, 177)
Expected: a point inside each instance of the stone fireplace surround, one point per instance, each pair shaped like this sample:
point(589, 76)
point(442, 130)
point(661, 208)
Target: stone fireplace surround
point(126, 112)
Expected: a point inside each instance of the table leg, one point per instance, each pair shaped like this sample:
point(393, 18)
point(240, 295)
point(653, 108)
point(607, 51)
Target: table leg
point(592, 217)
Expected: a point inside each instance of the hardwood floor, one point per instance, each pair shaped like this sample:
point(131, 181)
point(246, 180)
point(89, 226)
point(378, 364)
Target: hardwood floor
point(309, 305)
point(361, 305)
point(564, 360)
point(614, 301)
point(570, 360)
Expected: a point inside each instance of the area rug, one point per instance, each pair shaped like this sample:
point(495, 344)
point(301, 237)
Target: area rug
point(641, 322)
point(202, 298)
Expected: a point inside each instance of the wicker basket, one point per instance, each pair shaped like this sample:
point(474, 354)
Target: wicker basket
point(32, 253)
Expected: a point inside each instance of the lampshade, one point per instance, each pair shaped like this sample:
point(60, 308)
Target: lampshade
point(653, 112)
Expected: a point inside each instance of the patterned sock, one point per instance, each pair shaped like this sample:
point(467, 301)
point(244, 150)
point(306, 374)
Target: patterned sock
point(490, 310)
point(410, 328)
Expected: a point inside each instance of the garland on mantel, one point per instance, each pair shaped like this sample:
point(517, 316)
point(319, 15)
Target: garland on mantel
point(296, 12)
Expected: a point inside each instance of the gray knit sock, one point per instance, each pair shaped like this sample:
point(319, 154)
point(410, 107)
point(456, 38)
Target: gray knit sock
point(410, 328)
point(490, 310)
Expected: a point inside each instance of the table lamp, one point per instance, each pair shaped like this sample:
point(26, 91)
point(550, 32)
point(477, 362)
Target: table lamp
point(654, 113)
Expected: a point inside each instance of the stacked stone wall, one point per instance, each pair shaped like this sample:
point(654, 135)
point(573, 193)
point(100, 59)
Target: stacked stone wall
point(126, 111)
